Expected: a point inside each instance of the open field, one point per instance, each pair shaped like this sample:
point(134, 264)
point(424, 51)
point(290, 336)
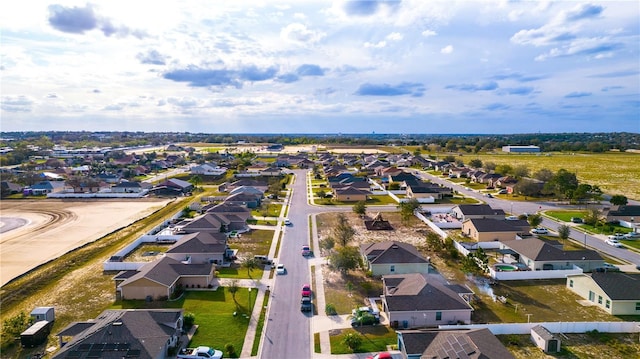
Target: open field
point(55, 227)
point(614, 172)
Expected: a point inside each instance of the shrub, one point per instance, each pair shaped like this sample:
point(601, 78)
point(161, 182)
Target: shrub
point(189, 319)
point(330, 309)
point(231, 351)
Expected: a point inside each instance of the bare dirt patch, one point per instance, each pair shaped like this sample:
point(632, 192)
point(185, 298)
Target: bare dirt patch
point(57, 226)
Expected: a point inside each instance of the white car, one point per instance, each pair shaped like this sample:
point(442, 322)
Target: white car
point(616, 236)
point(539, 230)
point(287, 222)
point(280, 269)
point(613, 242)
point(632, 235)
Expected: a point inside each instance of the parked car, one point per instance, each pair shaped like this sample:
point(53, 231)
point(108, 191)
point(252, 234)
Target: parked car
point(539, 230)
point(502, 191)
point(262, 259)
point(383, 355)
point(576, 219)
point(613, 242)
point(608, 267)
point(287, 222)
point(616, 236)
point(365, 318)
point(632, 235)
point(306, 251)
point(306, 290)
point(280, 269)
point(305, 304)
point(511, 218)
point(360, 310)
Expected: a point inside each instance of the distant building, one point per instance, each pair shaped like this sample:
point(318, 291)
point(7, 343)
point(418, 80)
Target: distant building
point(520, 149)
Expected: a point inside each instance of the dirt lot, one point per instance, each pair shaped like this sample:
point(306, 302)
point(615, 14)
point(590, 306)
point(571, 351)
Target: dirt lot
point(55, 227)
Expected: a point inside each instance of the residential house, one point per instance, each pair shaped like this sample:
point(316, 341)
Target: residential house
point(8, 188)
point(200, 247)
point(271, 172)
point(44, 187)
point(458, 343)
point(178, 185)
point(459, 172)
point(123, 333)
point(537, 254)
point(213, 223)
point(127, 187)
point(247, 190)
point(351, 194)
point(488, 178)
point(422, 300)
point(476, 175)
point(161, 278)
point(421, 190)
point(261, 185)
point(391, 257)
point(504, 181)
point(111, 178)
point(208, 170)
point(466, 211)
point(627, 216)
point(249, 200)
point(616, 293)
point(489, 229)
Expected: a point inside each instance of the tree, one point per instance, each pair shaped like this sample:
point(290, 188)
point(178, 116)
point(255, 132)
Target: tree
point(233, 289)
point(534, 220)
point(434, 242)
point(189, 319)
point(618, 200)
point(592, 217)
point(489, 166)
point(563, 183)
point(564, 231)
point(360, 208)
point(250, 264)
point(527, 187)
point(504, 169)
point(520, 171)
point(345, 259)
point(343, 232)
point(544, 175)
point(352, 340)
point(407, 208)
point(195, 180)
point(321, 193)
point(475, 163)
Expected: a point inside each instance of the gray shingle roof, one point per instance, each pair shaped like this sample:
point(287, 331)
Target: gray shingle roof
point(492, 225)
point(200, 242)
point(464, 343)
point(167, 270)
point(539, 250)
point(618, 286)
point(479, 209)
point(416, 291)
point(391, 252)
point(138, 333)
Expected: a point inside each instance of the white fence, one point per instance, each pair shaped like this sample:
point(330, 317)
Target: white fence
point(538, 274)
point(98, 195)
point(432, 225)
point(553, 327)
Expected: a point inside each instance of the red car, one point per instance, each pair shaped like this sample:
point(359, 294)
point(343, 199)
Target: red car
point(306, 290)
point(383, 355)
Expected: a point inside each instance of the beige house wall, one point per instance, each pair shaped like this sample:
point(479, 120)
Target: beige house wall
point(351, 197)
point(416, 319)
point(142, 288)
point(469, 230)
point(583, 285)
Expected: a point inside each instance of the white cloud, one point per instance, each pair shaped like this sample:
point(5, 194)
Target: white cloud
point(447, 49)
point(297, 32)
point(428, 33)
point(377, 45)
point(394, 36)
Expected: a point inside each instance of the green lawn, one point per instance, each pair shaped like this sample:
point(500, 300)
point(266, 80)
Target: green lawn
point(239, 273)
point(213, 311)
point(565, 215)
point(268, 210)
point(374, 339)
point(377, 200)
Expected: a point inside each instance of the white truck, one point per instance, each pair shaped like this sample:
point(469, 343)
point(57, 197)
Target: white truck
point(200, 353)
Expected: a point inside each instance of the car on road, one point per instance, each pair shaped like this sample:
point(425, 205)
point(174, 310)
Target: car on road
point(616, 236)
point(287, 222)
point(511, 218)
point(489, 195)
point(632, 235)
point(539, 230)
point(607, 267)
point(576, 219)
point(306, 251)
point(280, 269)
point(383, 355)
point(305, 304)
point(613, 242)
point(306, 290)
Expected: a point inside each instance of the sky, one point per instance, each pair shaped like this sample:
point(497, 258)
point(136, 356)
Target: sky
point(409, 66)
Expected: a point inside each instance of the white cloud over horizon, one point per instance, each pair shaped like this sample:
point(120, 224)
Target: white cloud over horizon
point(315, 66)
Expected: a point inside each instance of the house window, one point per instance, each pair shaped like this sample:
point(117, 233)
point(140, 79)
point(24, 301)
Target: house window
point(438, 315)
point(608, 304)
point(599, 299)
point(570, 283)
point(392, 269)
point(637, 306)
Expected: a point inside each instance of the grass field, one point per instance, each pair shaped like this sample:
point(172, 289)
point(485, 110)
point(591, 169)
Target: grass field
point(213, 311)
point(614, 172)
point(374, 339)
